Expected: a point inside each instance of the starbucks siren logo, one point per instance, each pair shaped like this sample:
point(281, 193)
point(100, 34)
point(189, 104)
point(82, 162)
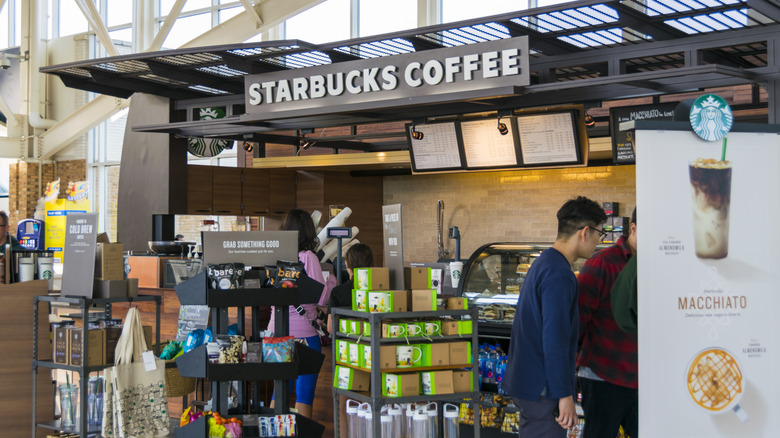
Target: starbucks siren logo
point(711, 117)
point(208, 147)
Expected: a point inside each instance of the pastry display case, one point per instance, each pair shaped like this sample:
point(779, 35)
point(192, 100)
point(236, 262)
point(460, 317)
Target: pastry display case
point(493, 277)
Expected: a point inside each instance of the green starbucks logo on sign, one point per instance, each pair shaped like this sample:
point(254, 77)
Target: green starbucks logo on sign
point(711, 117)
point(208, 147)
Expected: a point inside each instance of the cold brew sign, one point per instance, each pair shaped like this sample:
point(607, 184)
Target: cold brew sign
point(78, 271)
point(392, 80)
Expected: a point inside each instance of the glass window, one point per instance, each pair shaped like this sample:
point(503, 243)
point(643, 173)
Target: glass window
point(185, 29)
point(5, 26)
point(189, 5)
point(376, 18)
point(122, 35)
point(326, 22)
point(541, 3)
point(456, 10)
point(72, 21)
point(227, 14)
point(119, 12)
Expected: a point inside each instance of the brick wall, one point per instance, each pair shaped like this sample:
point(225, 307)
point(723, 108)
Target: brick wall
point(487, 207)
point(24, 184)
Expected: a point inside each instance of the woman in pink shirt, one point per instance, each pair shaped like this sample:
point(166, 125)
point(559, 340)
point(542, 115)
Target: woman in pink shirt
point(300, 325)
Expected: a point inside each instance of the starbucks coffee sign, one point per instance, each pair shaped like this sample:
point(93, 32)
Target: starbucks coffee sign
point(711, 117)
point(393, 80)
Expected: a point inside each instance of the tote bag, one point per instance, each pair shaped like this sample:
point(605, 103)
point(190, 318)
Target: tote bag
point(136, 405)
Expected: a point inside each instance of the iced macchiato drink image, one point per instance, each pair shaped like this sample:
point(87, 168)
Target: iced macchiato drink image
point(711, 193)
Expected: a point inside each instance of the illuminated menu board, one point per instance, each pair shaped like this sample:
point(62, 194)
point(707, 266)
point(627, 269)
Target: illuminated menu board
point(438, 149)
point(485, 146)
point(549, 138)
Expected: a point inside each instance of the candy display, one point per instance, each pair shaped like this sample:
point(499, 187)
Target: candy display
point(225, 276)
point(278, 349)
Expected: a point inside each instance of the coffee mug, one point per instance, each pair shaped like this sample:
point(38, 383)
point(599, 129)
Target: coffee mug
point(432, 327)
point(414, 329)
point(396, 330)
point(407, 356)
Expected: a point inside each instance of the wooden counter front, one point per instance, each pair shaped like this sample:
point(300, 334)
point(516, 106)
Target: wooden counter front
point(16, 312)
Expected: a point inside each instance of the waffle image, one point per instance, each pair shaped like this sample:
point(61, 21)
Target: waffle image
point(714, 379)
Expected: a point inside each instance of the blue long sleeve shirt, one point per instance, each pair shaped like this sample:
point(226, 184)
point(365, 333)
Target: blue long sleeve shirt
point(543, 348)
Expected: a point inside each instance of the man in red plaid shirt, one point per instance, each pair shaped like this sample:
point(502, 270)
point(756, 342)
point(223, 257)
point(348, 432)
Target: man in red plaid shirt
point(607, 360)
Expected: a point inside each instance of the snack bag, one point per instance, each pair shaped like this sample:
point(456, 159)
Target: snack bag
point(230, 348)
point(279, 349)
point(288, 273)
point(270, 274)
point(225, 276)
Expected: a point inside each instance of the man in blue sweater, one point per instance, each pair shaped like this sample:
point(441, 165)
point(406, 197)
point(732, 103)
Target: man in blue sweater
point(540, 375)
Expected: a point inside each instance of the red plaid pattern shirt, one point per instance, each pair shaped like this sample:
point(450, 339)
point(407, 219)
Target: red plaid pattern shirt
point(607, 350)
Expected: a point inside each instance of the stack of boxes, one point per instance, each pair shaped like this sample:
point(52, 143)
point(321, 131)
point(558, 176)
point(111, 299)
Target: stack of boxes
point(101, 342)
point(399, 361)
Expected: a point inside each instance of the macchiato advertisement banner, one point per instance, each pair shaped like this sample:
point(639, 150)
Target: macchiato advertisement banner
point(708, 218)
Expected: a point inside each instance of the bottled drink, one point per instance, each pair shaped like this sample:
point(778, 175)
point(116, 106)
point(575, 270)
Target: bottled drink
point(451, 427)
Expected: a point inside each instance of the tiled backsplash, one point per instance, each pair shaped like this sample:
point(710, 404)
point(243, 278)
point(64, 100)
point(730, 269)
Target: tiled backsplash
point(517, 206)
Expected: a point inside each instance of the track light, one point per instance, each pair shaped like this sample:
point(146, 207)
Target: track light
point(417, 135)
point(589, 120)
point(502, 128)
point(304, 144)
point(248, 146)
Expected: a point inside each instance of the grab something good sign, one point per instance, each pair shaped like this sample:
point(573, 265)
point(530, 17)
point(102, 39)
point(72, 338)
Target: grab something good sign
point(393, 80)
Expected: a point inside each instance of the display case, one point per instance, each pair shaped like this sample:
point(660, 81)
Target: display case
point(492, 280)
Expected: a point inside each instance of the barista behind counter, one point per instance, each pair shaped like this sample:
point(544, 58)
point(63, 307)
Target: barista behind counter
point(6, 237)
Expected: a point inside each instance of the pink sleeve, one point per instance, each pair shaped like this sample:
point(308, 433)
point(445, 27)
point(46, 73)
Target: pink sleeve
point(313, 269)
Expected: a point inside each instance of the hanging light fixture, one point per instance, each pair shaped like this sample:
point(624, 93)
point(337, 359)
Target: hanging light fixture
point(589, 120)
point(502, 128)
point(248, 146)
point(417, 135)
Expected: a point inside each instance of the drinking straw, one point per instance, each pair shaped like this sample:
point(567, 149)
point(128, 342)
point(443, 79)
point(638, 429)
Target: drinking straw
point(723, 151)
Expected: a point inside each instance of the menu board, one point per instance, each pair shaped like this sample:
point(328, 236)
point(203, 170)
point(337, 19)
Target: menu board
point(437, 150)
point(484, 146)
point(78, 271)
point(623, 141)
point(549, 138)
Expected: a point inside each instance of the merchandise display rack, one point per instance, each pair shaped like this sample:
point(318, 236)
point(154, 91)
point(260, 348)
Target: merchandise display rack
point(82, 429)
point(374, 396)
point(195, 291)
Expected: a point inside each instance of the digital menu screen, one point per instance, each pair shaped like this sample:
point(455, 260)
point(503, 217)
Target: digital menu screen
point(438, 149)
point(484, 146)
point(549, 138)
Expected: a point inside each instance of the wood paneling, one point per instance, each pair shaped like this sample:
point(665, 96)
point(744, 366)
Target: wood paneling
point(282, 190)
point(199, 190)
point(16, 371)
point(226, 183)
point(256, 192)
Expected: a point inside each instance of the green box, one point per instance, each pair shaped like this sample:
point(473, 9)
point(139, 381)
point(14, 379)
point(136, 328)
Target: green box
point(371, 278)
point(351, 379)
point(415, 329)
point(466, 327)
point(344, 325)
point(355, 326)
point(436, 382)
point(355, 354)
point(360, 300)
point(400, 385)
point(365, 359)
point(387, 301)
point(435, 354)
point(432, 328)
point(366, 328)
point(342, 351)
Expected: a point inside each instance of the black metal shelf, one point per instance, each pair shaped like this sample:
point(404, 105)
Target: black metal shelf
point(366, 397)
point(195, 364)
point(402, 340)
point(199, 428)
point(57, 425)
point(378, 316)
point(48, 363)
point(195, 291)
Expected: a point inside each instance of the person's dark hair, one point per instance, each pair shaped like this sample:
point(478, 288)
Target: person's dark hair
point(360, 255)
point(577, 213)
point(301, 221)
point(633, 216)
point(4, 216)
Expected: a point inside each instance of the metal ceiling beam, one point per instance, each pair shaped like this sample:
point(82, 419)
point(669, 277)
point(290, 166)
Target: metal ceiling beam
point(130, 83)
point(80, 122)
point(250, 9)
point(630, 17)
point(221, 83)
point(88, 85)
point(92, 15)
point(165, 29)
point(12, 147)
point(241, 27)
point(769, 8)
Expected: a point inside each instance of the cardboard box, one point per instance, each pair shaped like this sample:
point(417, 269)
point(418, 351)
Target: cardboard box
point(132, 287)
point(109, 264)
point(450, 327)
point(420, 278)
point(388, 301)
point(355, 354)
point(365, 359)
point(95, 342)
point(400, 385)
point(360, 300)
point(109, 289)
point(355, 326)
point(456, 303)
point(437, 382)
point(344, 325)
point(111, 337)
point(351, 379)
point(462, 381)
point(387, 357)
point(460, 353)
point(393, 329)
point(372, 278)
point(436, 354)
point(62, 345)
point(423, 300)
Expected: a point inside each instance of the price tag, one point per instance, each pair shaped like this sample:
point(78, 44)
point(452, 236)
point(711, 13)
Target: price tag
point(149, 361)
